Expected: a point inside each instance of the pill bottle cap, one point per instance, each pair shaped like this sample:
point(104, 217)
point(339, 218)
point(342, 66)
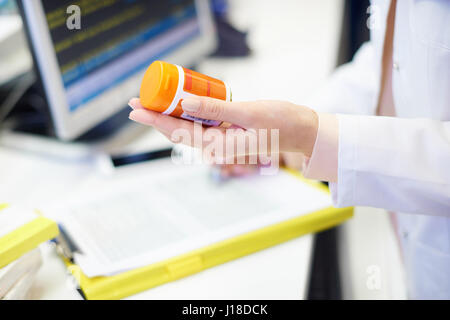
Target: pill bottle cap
point(159, 86)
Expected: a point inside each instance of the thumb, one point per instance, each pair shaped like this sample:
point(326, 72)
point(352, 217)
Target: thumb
point(215, 109)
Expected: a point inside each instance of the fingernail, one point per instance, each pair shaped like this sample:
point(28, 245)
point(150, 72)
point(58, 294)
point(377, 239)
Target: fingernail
point(131, 116)
point(131, 104)
point(134, 116)
point(142, 116)
point(190, 105)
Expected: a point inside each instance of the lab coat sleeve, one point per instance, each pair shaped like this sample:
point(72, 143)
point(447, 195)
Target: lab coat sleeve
point(352, 88)
point(394, 163)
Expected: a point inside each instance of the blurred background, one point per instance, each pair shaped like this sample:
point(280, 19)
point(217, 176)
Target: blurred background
point(264, 50)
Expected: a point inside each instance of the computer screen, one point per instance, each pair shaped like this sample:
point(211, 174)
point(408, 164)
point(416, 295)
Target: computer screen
point(91, 64)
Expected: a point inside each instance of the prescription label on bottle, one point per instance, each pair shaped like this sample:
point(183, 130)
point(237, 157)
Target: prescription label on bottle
point(165, 85)
point(212, 123)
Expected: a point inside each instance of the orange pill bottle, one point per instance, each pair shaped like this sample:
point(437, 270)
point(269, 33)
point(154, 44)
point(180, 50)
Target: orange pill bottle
point(165, 85)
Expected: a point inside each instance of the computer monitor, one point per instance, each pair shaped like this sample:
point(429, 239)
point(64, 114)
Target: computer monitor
point(89, 73)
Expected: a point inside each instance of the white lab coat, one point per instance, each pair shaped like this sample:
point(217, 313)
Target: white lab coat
point(401, 164)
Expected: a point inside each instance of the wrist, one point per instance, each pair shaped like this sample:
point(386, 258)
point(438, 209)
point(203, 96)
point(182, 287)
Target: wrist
point(323, 163)
point(310, 129)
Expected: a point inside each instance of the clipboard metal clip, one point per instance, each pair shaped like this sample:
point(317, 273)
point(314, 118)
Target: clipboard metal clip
point(65, 246)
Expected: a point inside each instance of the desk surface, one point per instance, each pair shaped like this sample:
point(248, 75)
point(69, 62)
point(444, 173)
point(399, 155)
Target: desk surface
point(300, 36)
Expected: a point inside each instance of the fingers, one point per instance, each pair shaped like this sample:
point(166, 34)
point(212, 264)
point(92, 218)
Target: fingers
point(238, 113)
point(225, 146)
point(142, 116)
point(237, 170)
point(164, 123)
point(135, 104)
point(177, 130)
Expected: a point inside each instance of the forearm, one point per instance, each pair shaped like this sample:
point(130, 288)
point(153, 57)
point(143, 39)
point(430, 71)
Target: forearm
point(392, 163)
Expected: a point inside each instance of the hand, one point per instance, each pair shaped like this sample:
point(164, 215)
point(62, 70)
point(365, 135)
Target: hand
point(297, 125)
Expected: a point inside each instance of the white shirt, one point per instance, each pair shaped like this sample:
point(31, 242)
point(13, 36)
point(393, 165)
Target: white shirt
point(400, 163)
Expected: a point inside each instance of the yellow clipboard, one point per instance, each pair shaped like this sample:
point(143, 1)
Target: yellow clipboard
point(25, 238)
point(131, 282)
